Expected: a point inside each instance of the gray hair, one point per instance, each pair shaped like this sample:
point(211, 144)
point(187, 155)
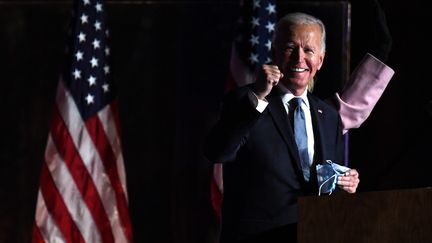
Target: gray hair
point(302, 18)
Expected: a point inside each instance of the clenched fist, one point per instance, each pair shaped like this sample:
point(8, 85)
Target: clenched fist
point(268, 77)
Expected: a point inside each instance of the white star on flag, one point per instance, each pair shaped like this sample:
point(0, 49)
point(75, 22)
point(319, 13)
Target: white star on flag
point(96, 44)
point(77, 74)
point(97, 25)
point(91, 80)
point(94, 62)
point(84, 19)
point(79, 55)
point(90, 99)
point(81, 37)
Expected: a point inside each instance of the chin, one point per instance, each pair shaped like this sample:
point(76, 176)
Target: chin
point(298, 84)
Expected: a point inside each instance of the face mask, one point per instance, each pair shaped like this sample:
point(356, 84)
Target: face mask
point(327, 175)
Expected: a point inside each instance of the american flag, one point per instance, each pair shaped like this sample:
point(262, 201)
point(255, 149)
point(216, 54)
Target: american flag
point(82, 195)
point(250, 49)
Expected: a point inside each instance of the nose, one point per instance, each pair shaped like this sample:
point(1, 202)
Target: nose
point(298, 54)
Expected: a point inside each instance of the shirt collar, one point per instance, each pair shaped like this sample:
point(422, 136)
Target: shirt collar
point(288, 95)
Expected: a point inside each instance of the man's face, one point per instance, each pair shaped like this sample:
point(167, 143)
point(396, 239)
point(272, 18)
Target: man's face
point(297, 53)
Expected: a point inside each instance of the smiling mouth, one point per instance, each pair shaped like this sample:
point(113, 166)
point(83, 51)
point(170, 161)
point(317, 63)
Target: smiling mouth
point(299, 70)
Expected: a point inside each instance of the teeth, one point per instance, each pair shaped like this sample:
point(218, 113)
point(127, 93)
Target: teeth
point(298, 69)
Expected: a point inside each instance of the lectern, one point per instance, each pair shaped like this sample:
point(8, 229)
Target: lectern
point(377, 217)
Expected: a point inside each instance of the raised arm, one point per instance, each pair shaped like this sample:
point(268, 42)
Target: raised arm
point(361, 93)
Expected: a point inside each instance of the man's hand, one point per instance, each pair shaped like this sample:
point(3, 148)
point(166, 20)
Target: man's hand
point(268, 76)
point(349, 181)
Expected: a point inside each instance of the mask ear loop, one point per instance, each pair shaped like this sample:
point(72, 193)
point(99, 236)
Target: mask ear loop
point(322, 184)
point(326, 181)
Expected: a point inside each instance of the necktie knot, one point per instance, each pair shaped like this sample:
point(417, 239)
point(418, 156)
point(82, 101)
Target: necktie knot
point(295, 108)
point(295, 102)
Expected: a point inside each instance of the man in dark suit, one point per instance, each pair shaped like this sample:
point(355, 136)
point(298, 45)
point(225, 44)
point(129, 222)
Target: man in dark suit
point(263, 175)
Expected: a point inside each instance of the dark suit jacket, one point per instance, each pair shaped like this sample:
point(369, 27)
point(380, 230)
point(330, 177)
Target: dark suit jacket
point(262, 172)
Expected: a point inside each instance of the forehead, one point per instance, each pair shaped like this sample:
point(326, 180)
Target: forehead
point(304, 33)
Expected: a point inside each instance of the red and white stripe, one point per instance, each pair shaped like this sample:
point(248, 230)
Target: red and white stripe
point(82, 195)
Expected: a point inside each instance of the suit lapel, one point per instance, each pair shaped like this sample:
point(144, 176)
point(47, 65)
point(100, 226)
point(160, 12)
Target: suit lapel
point(277, 111)
point(317, 115)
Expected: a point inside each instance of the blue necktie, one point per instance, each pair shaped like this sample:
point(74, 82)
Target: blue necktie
point(300, 135)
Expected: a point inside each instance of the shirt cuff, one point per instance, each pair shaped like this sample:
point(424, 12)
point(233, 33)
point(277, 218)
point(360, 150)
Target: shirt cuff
point(259, 104)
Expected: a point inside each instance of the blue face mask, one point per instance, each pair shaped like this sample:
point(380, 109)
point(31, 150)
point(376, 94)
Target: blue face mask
point(327, 175)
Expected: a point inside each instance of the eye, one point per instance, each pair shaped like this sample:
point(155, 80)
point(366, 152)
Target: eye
point(289, 48)
point(309, 50)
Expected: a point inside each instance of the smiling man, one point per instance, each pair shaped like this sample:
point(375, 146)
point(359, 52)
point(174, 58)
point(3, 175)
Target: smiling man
point(270, 145)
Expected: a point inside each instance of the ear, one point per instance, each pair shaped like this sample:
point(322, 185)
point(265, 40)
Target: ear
point(321, 60)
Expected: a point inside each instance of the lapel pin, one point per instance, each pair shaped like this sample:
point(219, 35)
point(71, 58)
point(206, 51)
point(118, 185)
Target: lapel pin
point(319, 111)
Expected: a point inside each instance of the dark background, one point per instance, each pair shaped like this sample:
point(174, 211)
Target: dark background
point(170, 61)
